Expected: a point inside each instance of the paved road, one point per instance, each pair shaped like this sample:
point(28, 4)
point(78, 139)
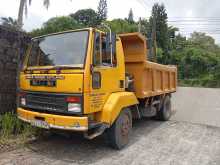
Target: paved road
point(153, 143)
point(197, 105)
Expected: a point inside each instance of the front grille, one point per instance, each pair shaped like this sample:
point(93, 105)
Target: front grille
point(48, 102)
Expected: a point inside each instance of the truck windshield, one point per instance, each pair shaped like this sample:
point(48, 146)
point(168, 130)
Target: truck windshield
point(66, 49)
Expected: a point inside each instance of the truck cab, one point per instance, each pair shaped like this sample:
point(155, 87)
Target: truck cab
point(76, 80)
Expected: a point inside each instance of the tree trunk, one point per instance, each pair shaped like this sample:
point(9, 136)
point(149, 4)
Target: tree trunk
point(21, 14)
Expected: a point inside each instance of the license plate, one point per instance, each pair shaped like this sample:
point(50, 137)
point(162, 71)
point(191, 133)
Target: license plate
point(40, 123)
point(49, 83)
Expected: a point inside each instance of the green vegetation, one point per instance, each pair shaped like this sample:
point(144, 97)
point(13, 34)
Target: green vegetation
point(102, 11)
point(9, 22)
point(85, 17)
point(198, 60)
point(23, 10)
point(57, 24)
point(197, 57)
point(14, 130)
point(131, 16)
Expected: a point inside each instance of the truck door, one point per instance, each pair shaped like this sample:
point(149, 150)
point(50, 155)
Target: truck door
point(105, 73)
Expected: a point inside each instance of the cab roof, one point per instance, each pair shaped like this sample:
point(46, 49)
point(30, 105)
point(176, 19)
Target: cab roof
point(67, 31)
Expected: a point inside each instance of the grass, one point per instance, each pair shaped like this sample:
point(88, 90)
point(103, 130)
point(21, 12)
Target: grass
point(200, 83)
point(13, 131)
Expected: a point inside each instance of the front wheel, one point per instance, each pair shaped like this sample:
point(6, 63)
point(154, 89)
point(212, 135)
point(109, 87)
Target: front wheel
point(119, 133)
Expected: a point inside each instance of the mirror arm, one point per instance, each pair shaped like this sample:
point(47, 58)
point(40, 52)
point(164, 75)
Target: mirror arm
point(111, 47)
point(91, 68)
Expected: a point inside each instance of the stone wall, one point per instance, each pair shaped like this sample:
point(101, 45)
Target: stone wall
point(12, 48)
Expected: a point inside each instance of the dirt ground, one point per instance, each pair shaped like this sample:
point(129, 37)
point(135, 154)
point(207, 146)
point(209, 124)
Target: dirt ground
point(185, 140)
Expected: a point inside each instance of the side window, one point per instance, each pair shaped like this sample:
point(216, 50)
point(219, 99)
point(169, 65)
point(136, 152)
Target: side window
point(97, 57)
point(102, 52)
point(106, 53)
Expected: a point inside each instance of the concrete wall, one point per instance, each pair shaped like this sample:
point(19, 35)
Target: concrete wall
point(12, 47)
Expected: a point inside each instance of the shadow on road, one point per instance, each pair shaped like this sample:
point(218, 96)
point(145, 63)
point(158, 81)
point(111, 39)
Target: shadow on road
point(73, 148)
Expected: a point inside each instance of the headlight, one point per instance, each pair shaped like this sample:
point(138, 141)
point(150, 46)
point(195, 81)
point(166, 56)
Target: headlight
point(23, 101)
point(74, 107)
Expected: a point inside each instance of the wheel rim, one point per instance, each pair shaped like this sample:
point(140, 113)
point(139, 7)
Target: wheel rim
point(125, 126)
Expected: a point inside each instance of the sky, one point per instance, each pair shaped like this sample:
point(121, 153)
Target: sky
point(187, 15)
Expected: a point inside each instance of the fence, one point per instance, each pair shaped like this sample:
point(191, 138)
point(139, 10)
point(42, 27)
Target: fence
point(12, 47)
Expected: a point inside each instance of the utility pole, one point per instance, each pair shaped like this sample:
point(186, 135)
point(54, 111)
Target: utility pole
point(139, 25)
point(153, 36)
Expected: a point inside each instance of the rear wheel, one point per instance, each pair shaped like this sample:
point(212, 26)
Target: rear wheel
point(119, 133)
point(165, 112)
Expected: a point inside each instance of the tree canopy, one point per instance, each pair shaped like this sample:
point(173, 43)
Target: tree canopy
point(9, 22)
point(159, 15)
point(197, 58)
point(131, 16)
point(57, 24)
point(102, 11)
point(86, 17)
point(122, 26)
point(23, 9)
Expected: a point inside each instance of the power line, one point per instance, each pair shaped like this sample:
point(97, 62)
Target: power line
point(190, 21)
point(193, 21)
point(197, 17)
point(146, 3)
point(193, 24)
point(143, 4)
point(203, 18)
point(202, 28)
point(211, 33)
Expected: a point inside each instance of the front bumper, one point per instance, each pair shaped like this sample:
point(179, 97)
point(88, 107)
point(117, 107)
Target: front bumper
point(73, 123)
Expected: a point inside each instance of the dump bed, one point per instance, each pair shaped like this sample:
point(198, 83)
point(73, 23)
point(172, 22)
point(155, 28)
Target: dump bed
point(150, 79)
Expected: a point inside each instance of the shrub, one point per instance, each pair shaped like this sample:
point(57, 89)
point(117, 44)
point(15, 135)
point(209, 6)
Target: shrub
point(10, 125)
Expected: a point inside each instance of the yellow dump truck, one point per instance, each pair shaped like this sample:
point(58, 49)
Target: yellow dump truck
point(94, 82)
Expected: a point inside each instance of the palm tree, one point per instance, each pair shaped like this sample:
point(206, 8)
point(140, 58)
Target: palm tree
point(9, 22)
point(23, 9)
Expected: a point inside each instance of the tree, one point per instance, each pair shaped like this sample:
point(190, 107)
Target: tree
point(171, 36)
point(197, 59)
point(159, 15)
point(172, 32)
point(57, 24)
point(145, 28)
point(130, 16)
point(102, 11)
point(203, 41)
point(9, 22)
point(122, 26)
point(86, 17)
point(23, 9)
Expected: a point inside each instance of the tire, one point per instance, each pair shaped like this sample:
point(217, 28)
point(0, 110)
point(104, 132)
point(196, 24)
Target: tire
point(165, 113)
point(119, 133)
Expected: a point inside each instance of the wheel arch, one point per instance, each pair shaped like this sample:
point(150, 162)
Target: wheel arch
point(115, 103)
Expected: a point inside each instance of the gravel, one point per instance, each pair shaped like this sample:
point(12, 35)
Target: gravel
point(197, 105)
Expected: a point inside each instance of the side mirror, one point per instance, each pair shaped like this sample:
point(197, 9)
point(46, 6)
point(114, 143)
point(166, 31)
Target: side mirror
point(96, 80)
point(91, 68)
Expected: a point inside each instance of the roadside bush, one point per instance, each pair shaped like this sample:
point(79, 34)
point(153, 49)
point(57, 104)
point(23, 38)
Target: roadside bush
point(10, 126)
point(208, 83)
